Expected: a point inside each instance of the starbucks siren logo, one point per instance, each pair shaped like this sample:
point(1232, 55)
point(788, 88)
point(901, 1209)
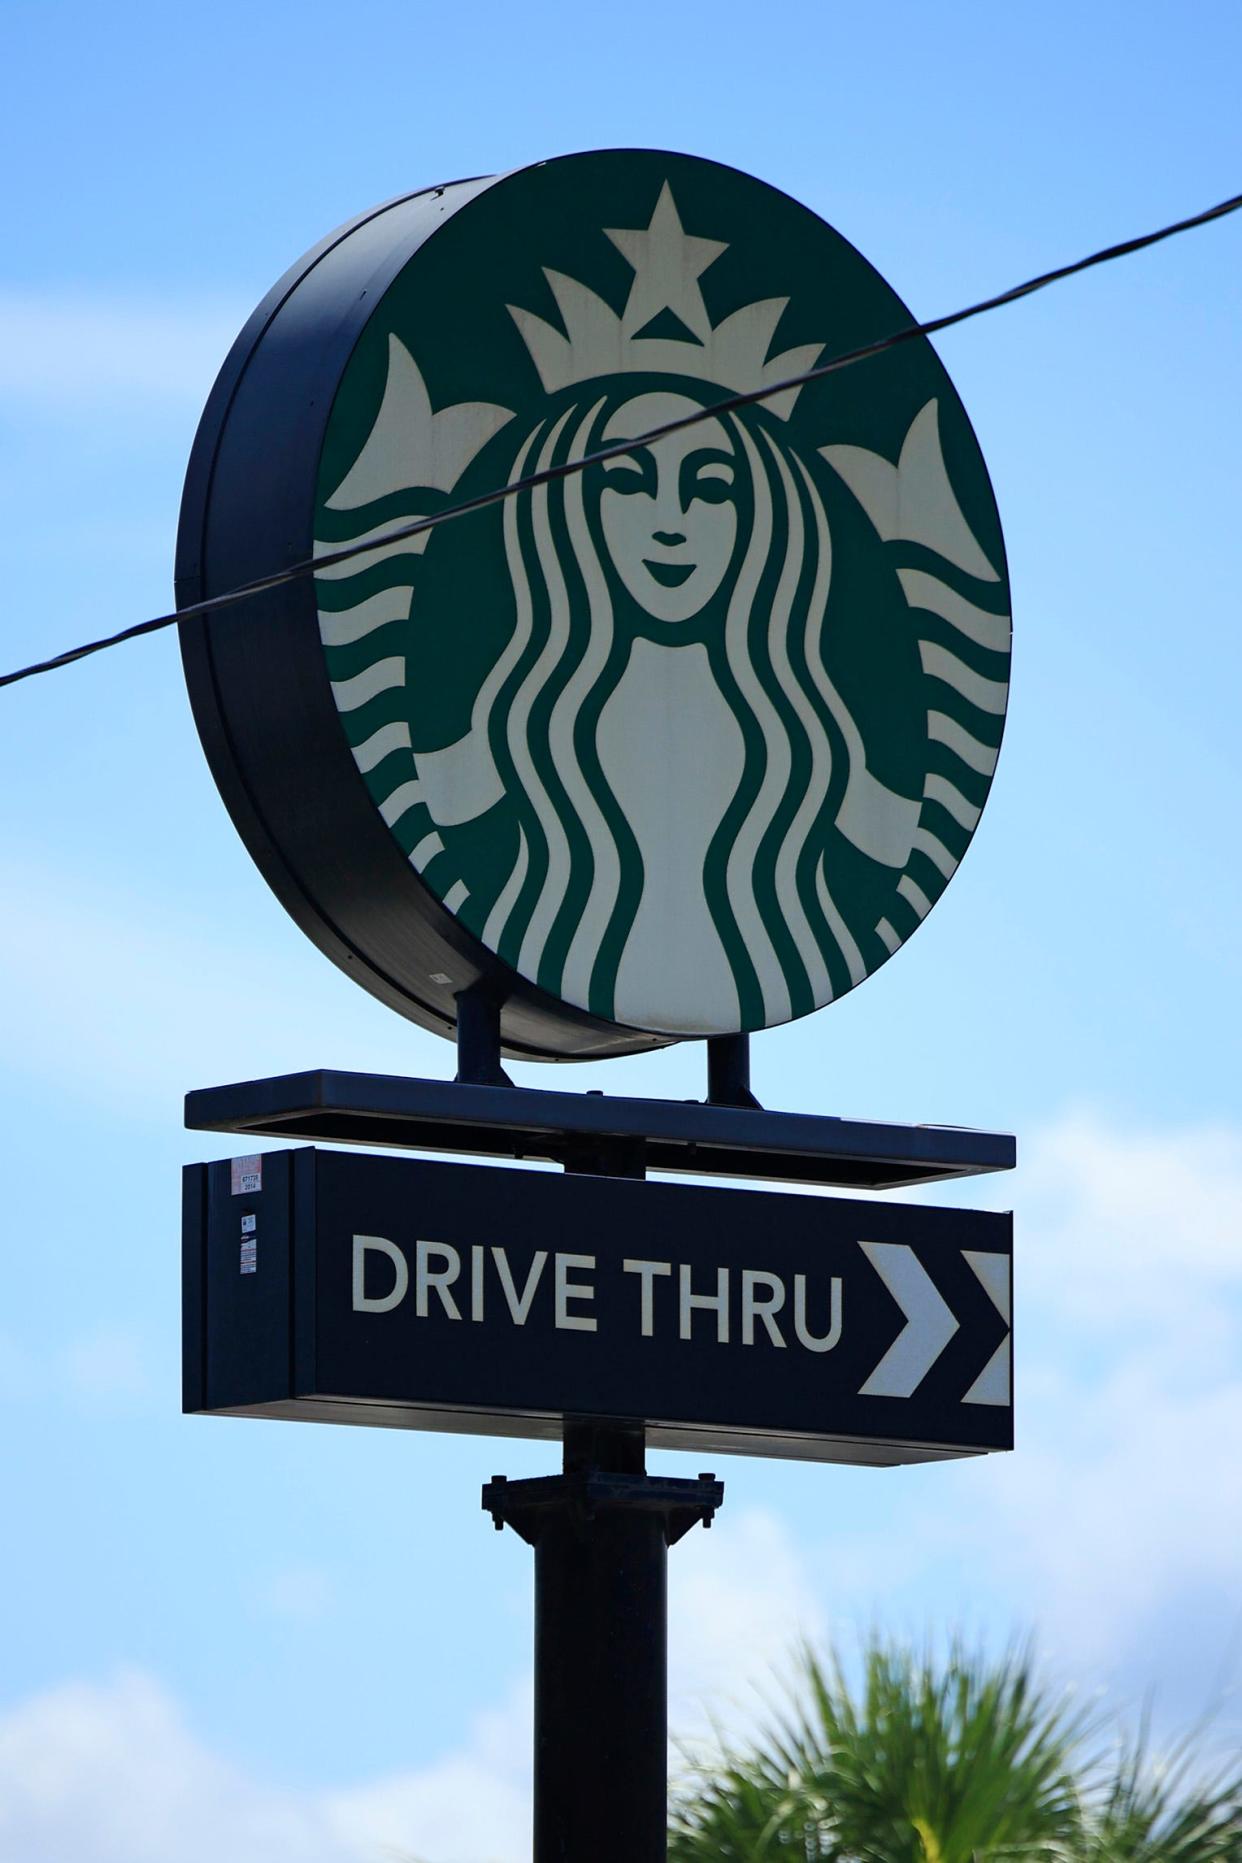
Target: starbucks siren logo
point(692, 739)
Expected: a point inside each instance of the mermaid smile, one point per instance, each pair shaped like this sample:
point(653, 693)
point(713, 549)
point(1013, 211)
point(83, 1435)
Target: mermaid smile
point(668, 575)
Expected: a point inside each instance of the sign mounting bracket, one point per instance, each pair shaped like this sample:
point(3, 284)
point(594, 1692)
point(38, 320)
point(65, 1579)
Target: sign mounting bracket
point(495, 1119)
point(728, 1071)
point(478, 1038)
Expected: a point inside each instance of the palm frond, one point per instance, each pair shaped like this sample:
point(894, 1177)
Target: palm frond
point(921, 1761)
point(1153, 1808)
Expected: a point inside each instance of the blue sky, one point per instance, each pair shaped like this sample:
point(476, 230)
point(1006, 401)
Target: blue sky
point(308, 1642)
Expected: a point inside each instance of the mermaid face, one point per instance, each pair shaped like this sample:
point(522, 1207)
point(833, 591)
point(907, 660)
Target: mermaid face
point(668, 511)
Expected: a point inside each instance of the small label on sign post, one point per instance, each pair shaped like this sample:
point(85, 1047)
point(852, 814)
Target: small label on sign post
point(249, 1243)
point(247, 1175)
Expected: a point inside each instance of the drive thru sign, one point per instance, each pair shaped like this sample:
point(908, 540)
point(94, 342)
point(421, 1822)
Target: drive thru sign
point(393, 1291)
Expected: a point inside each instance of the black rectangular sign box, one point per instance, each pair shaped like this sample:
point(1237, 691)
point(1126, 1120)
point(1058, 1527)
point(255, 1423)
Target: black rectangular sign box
point(343, 1288)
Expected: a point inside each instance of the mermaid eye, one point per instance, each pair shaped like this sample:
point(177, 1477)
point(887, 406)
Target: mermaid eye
point(711, 481)
point(625, 473)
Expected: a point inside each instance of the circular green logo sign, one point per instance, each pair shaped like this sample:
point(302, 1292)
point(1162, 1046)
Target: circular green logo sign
point(693, 739)
point(685, 743)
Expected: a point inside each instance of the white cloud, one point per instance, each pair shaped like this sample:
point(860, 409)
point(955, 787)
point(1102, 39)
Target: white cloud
point(1120, 1230)
point(472, 1806)
point(72, 351)
point(740, 1599)
point(1127, 1515)
point(1121, 1511)
point(112, 1773)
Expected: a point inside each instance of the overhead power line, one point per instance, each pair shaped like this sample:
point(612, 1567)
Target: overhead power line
point(312, 565)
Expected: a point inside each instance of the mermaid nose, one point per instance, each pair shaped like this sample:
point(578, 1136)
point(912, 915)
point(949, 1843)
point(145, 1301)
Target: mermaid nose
point(669, 537)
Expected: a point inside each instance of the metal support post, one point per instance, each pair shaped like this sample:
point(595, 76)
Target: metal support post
point(478, 1038)
point(728, 1071)
point(601, 1533)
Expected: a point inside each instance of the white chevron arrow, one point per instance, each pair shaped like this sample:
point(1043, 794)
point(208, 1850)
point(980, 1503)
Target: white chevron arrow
point(929, 1323)
point(993, 1385)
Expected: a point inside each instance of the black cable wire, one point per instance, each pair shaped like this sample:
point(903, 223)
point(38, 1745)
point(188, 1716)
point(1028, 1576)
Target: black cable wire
point(312, 565)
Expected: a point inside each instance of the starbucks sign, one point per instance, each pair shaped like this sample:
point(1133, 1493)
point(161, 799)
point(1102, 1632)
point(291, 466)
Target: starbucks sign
point(686, 743)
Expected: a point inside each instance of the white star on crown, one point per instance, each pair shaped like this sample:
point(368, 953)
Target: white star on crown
point(668, 263)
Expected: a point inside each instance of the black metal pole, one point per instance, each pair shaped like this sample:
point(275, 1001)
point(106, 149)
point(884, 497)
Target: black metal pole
point(601, 1672)
point(601, 1533)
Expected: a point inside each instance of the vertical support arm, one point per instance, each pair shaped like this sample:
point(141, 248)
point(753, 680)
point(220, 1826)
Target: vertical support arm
point(478, 1038)
point(728, 1071)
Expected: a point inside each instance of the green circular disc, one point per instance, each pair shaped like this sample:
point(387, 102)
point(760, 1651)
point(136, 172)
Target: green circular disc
point(691, 740)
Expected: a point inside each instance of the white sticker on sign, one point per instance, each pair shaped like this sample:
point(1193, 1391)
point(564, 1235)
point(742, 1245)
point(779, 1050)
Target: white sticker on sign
point(250, 1255)
point(247, 1175)
point(249, 1225)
